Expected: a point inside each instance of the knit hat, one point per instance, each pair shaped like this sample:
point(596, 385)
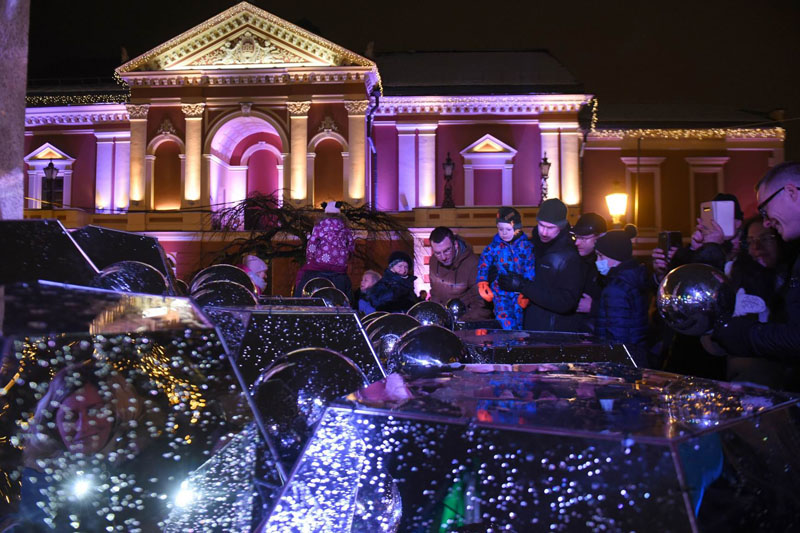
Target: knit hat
point(397, 257)
point(553, 211)
point(617, 244)
point(590, 224)
point(738, 214)
point(332, 207)
point(509, 215)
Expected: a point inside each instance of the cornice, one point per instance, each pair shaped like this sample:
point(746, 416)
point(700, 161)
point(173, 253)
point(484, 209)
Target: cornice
point(260, 76)
point(697, 134)
point(482, 105)
point(67, 115)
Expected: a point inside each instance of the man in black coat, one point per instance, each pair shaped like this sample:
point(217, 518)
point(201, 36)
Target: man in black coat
point(778, 194)
point(556, 290)
point(589, 228)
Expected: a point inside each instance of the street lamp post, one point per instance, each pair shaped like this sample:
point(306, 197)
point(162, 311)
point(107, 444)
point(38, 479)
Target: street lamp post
point(50, 175)
point(544, 168)
point(448, 166)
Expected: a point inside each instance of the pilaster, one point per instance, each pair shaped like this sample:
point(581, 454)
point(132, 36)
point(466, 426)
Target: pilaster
point(298, 120)
point(137, 114)
point(355, 184)
point(194, 190)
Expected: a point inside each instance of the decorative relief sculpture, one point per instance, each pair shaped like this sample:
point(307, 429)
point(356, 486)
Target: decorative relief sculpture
point(166, 127)
point(137, 110)
point(328, 124)
point(247, 49)
point(298, 108)
point(246, 107)
point(356, 107)
point(193, 110)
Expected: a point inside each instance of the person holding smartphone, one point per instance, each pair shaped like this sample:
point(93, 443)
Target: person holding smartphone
point(778, 194)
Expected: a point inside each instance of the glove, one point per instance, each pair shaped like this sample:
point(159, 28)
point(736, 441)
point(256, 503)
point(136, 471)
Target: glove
point(522, 301)
point(511, 282)
point(485, 292)
point(750, 304)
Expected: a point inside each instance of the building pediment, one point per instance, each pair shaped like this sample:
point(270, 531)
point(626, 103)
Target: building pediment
point(244, 37)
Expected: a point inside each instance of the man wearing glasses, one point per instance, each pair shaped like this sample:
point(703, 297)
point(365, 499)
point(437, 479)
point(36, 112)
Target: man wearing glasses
point(454, 274)
point(778, 194)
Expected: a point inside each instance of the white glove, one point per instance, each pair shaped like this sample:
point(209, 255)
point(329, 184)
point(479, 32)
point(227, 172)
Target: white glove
point(750, 304)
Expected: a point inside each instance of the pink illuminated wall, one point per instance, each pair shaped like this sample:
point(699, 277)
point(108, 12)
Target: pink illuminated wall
point(262, 172)
point(386, 142)
point(488, 186)
point(247, 142)
point(523, 137)
point(84, 149)
point(742, 172)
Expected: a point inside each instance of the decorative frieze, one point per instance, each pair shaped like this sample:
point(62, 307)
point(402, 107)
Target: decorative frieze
point(193, 110)
point(137, 111)
point(482, 105)
point(69, 115)
point(298, 109)
point(356, 107)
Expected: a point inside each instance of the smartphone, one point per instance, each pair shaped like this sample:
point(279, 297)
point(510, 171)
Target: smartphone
point(669, 239)
point(722, 213)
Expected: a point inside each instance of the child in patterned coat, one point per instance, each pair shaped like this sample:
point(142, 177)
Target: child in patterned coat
point(509, 251)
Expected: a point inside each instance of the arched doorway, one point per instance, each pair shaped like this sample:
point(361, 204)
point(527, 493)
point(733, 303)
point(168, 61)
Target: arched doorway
point(244, 154)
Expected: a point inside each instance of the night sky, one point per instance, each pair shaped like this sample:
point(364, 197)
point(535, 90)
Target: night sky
point(741, 54)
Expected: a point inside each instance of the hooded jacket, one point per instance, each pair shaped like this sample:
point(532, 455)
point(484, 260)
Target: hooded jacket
point(330, 245)
point(392, 293)
point(623, 305)
point(459, 281)
point(556, 291)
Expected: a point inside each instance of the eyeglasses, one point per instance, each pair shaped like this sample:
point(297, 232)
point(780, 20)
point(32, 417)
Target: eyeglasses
point(762, 207)
point(761, 241)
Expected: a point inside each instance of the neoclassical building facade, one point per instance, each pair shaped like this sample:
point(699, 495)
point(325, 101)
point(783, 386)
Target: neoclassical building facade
point(248, 102)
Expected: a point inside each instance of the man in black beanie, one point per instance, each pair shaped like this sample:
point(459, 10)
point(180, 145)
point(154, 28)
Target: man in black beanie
point(556, 289)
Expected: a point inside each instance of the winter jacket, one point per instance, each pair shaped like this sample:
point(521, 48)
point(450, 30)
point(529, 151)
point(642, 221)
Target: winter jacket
point(459, 281)
point(555, 292)
point(591, 286)
point(623, 305)
point(392, 293)
point(330, 245)
point(500, 257)
point(773, 340)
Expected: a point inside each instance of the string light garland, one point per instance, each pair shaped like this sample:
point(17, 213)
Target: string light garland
point(699, 134)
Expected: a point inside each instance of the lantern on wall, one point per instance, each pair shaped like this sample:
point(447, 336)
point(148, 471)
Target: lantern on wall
point(544, 168)
point(617, 203)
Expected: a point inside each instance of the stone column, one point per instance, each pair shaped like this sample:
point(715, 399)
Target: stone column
point(426, 162)
point(14, 66)
point(104, 172)
point(550, 147)
point(570, 168)
point(138, 150)
point(406, 166)
point(357, 136)
point(298, 151)
point(193, 188)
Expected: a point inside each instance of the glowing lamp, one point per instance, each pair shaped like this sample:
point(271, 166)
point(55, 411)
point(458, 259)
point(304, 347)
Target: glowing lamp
point(617, 206)
point(186, 495)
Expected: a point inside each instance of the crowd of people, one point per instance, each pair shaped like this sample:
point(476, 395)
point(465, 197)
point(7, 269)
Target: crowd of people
point(585, 278)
